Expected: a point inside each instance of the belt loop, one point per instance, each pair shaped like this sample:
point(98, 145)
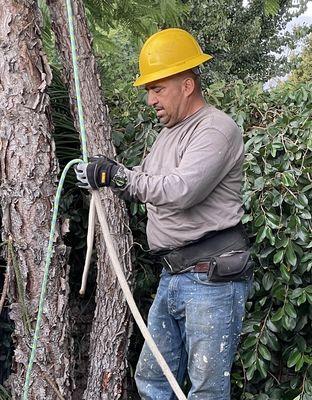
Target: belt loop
point(213, 264)
point(170, 267)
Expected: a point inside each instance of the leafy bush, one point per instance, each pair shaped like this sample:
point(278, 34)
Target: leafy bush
point(274, 359)
point(222, 28)
point(275, 354)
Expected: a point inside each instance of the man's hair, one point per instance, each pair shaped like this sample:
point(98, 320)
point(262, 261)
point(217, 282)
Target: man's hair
point(197, 77)
point(195, 74)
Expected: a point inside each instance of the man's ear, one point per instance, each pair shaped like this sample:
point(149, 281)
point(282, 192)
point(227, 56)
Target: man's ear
point(188, 86)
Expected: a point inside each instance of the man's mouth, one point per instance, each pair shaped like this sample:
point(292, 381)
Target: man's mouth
point(159, 112)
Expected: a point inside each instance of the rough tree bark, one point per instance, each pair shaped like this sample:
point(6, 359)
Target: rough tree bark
point(111, 326)
point(28, 184)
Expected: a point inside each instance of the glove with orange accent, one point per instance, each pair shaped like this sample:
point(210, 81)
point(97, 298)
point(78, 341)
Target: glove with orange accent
point(100, 171)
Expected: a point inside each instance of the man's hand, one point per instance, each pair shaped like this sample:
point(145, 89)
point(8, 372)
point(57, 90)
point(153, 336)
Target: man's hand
point(96, 173)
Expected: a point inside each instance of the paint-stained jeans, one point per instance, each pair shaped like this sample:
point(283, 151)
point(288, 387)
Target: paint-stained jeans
point(196, 325)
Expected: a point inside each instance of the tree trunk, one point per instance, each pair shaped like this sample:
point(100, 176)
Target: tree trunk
point(111, 326)
point(28, 184)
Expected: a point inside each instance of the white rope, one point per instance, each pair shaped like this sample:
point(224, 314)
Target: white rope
point(131, 303)
point(90, 240)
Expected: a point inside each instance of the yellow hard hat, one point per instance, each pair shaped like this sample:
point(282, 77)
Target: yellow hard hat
point(168, 52)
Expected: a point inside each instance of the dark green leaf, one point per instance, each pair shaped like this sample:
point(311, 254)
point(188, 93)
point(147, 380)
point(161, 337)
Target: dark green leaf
point(273, 342)
point(293, 358)
point(250, 371)
point(278, 291)
point(278, 256)
point(299, 363)
point(305, 214)
point(252, 357)
point(264, 352)
point(259, 220)
point(303, 200)
point(267, 280)
point(285, 272)
point(273, 220)
point(309, 297)
point(288, 323)
point(278, 315)
point(296, 293)
point(270, 236)
point(308, 387)
point(281, 240)
point(290, 254)
point(250, 342)
point(290, 310)
point(246, 218)
point(301, 343)
point(262, 368)
point(288, 179)
point(261, 234)
point(271, 326)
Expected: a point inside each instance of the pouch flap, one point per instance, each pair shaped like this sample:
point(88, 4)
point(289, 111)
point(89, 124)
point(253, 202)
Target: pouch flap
point(232, 263)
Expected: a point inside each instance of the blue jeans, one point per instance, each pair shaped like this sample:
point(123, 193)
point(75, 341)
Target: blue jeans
point(196, 325)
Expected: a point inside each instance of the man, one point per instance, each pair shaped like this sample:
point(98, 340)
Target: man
point(191, 183)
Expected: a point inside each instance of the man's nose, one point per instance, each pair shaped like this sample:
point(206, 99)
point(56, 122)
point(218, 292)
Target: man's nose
point(151, 99)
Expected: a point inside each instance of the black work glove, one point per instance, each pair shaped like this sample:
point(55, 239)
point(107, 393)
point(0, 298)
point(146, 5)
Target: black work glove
point(96, 173)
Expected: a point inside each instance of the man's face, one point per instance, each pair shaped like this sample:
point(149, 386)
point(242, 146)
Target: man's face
point(168, 98)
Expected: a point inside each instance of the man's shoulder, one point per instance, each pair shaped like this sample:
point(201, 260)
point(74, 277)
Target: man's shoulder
point(214, 119)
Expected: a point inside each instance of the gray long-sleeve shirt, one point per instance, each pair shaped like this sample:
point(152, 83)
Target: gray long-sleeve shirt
point(191, 179)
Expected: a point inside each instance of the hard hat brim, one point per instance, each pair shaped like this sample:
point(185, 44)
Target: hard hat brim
point(155, 76)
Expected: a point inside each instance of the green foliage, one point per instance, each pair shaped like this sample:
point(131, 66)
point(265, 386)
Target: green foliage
point(47, 35)
point(244, 40)
point(303, 69)
point(271, 7)
point(64, 134)
point(276, 351)
point(138, 18)
point(74, 202)
point(119, 21)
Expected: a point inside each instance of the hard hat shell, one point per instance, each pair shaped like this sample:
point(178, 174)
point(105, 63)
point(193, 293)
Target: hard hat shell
point(167, 53)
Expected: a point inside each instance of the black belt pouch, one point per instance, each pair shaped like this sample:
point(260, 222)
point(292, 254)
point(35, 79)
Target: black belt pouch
point(232, 266)
point(227, 251)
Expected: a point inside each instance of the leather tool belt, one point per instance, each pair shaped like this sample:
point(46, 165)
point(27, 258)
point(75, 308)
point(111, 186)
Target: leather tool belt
point(223, 255)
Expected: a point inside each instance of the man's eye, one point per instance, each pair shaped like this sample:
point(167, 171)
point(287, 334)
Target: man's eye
point(157, 90)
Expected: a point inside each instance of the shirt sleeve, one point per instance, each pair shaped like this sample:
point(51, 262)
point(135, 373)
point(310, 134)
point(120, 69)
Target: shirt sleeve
point(205, 162)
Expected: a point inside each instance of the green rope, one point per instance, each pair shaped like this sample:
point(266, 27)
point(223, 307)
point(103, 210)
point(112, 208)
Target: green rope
point(83, 135)
point(83, 138)
point(45, 277)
